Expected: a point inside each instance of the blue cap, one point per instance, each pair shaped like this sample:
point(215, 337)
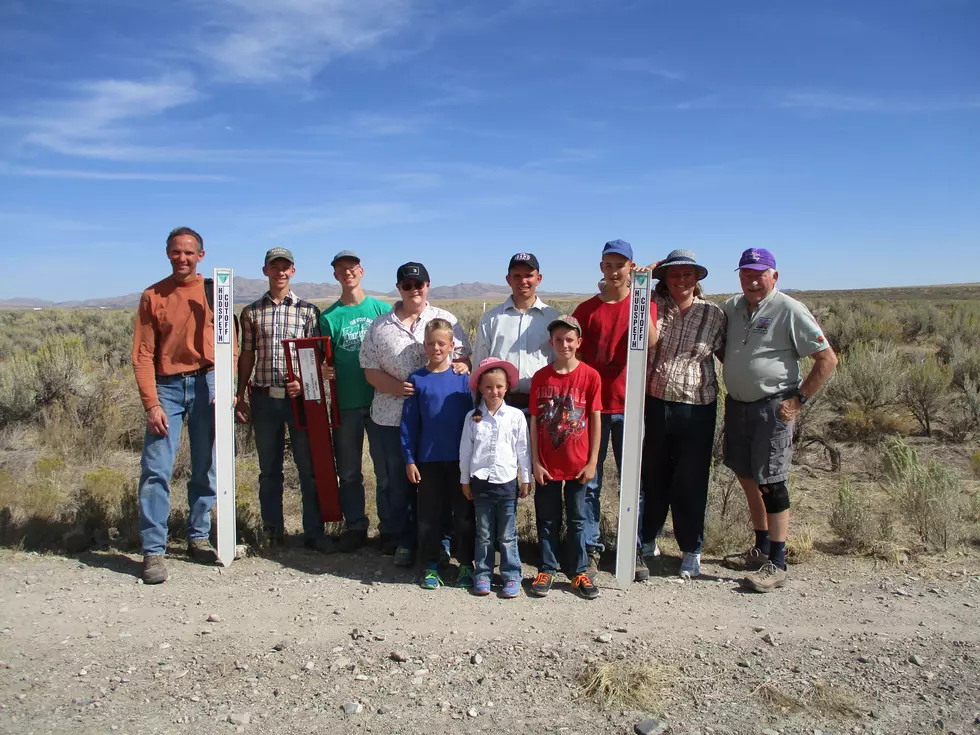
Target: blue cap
point(619, 247)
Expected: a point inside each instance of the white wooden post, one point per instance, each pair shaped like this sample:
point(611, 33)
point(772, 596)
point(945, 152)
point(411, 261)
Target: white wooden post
point(636, 376)
point(224, 411)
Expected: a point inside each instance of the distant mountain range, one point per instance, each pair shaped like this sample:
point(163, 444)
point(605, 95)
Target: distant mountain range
point(249, 289)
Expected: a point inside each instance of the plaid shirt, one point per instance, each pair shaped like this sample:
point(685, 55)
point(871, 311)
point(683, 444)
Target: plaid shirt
point(265, 324)
point(681, 366)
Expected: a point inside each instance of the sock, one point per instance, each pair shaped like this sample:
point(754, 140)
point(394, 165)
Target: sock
point(777, 553)
point(762, 541)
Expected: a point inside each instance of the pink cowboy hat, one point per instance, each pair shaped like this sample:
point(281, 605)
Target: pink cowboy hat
point(492, 362)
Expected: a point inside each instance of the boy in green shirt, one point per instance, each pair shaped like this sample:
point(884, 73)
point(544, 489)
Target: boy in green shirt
point(346, 321)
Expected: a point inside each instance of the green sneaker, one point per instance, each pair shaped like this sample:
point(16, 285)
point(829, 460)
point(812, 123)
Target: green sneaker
point(431, 580)
point(465, 576)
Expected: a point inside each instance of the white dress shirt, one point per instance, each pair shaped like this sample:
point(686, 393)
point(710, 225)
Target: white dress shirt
point(497, 448)
point(521, 338)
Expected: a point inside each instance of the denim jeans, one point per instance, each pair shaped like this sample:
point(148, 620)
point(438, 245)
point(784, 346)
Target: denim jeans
point(184, 400)
point(612, 428)
point(496, 525)
point(676, 469)
point(548, 508)
point(270, 417)
point(396, 507)
point(348, 443)
point(440, 502)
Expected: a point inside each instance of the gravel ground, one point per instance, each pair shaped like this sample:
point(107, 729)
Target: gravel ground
point(347, 643)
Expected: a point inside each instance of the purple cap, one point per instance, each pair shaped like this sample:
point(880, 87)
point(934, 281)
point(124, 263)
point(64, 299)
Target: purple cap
point(757, 259)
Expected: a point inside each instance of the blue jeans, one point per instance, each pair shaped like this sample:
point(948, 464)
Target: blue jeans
point(396, 507)
point(270, 417)
point(348, 443)
point(548, 507)
point(612, 428)
point(187, 400)
point(496, 524)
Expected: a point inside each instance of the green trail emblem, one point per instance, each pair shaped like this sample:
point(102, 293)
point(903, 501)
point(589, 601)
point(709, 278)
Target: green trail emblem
point(223, 277)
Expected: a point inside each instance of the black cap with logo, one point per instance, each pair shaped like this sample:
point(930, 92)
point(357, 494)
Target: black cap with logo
point(412, 270)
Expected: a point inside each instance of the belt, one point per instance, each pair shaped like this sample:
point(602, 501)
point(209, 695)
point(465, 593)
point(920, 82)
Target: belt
point(191, 373)
point(782, 396)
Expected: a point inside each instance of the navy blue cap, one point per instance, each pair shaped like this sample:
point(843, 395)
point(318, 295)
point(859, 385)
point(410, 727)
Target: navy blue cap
point(619, 247)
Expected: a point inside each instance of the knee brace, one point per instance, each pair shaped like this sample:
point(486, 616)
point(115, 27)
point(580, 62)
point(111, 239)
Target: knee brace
point(775, 497)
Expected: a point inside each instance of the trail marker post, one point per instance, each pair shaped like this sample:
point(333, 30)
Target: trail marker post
point(314, 414)
point(224, 411)
point(636, 374)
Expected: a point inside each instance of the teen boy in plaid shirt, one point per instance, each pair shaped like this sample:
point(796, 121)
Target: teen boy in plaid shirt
point(278, 315)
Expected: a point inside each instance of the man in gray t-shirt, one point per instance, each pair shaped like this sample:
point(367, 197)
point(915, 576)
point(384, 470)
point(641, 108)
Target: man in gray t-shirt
point(768, 333)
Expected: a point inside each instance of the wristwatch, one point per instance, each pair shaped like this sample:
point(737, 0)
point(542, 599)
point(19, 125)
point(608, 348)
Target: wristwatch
point(802, 398)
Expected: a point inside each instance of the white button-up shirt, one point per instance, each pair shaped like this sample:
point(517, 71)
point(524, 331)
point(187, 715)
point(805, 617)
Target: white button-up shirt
point(398, 349)
point(497, 448)
point(520, 338)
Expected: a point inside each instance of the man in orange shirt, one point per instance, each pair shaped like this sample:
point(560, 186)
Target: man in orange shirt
point(173, 358)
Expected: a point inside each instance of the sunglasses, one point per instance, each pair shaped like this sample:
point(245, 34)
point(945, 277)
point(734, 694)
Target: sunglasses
point(411, 285)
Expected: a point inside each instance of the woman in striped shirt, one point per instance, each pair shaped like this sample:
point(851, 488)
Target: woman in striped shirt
point(682, 391)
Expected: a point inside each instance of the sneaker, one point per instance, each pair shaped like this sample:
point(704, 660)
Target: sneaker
point(481, 587)
point(350, 541)
point(595, 556)
point(768, 578)
point(389, 544)
point(154, 569)
point(464, 578)
point(747, 561)
point(541, 585)
point(583, 585)
point(512, 588)
point(642, 573)
point(201, 551)
point(690, 565)
point(431, 580)
point(323, 544)
point(404, 557)
point(650, 550)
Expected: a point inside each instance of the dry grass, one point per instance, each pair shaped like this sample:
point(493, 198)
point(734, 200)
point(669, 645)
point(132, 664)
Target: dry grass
point(819, 697)
point(625, 684)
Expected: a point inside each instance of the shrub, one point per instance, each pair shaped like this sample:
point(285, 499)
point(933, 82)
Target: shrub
point(107, 506)
point(975, 464)
point(963, 414)
point(852, 323)
point(865, 389)
point(852, 516)
point(924, 389)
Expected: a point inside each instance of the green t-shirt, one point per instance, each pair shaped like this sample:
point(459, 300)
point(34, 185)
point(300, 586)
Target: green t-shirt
point(346, 327)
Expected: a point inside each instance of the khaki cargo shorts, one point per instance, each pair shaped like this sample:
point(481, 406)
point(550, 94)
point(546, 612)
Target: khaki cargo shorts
point(757, 442)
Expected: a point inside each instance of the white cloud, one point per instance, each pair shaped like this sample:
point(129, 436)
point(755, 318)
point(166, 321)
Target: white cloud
point(834, 102)
point(264, 41)
point(62, 173)
point(353, 216)
point(639, 65)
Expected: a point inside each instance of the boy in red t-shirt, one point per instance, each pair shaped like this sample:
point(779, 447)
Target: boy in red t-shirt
point(605, 321)
point(565, 404)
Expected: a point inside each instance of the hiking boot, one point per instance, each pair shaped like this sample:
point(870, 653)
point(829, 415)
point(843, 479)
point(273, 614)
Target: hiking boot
point(154, 569)
point(201, 551)
point(274, 537)
point(389, 545)
point(464, 578)
point(350, 541)
point(690, 566)
point(747, 561)
point(642, 573)
point(541, 585)
point(583, 585)
point(404, 557)
point(512, 588)
point(768, 578)
point(481, 587)
point(323, 544)
point(595, 556)
point(650, 550)
point(431, 579)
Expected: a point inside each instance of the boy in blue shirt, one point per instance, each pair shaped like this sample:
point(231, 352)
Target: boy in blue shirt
point(431, 427)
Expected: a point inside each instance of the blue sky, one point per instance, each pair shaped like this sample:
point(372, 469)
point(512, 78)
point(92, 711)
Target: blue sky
point(843, 136)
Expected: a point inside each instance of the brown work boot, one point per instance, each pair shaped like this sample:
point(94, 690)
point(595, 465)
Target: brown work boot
point(201, 551)
point(768, 578)
point(595, 556)
point(154, 569)
point(747, 561)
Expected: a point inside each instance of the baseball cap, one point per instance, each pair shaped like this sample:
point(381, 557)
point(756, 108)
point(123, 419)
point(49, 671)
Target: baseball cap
point(527, 259)
point(412, 270)
point(565, 320)
point(758, 259)
point(618, 247)
point(345, 254)
point(274, 253)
